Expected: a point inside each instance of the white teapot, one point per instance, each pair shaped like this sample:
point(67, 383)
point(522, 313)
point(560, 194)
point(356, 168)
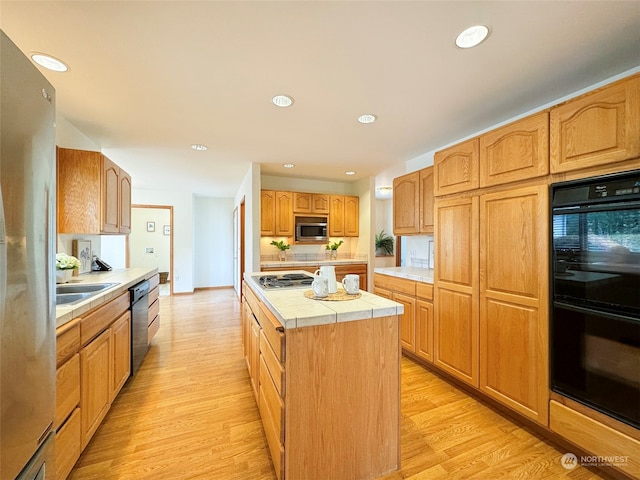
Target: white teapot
point(328, 271)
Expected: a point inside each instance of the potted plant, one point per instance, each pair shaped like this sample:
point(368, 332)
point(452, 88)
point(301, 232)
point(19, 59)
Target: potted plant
point(65, 265)
point(282, 247)
point(384, 243)
point(333, 248)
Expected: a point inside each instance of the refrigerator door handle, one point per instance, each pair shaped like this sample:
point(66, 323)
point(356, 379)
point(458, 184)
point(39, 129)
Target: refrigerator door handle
point(3, 260)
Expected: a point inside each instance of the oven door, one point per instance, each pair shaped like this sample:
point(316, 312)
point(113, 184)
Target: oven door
point(596, 360)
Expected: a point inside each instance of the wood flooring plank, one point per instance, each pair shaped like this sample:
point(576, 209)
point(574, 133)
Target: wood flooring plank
point(189, 413)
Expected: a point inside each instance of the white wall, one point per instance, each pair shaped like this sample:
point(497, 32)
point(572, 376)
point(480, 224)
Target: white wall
point(249, 190)
point(213, 245)
point(183, 218)
point(150, 249)
point(68, 136)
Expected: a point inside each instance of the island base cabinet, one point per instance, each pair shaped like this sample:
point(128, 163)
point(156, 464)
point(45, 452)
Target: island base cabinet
point(342, 400)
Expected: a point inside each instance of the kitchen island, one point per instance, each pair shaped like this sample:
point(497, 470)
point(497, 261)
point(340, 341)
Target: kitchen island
point(326, 375)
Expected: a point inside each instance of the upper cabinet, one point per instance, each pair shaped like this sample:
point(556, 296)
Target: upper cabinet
point(310, 203)
point(600, 127)
point(267, 213)
point(457, 169)
point(93, 194)
point(276, 213)
point(413, 203)
point(336, 216)
point(517, 151)
point(351, 216)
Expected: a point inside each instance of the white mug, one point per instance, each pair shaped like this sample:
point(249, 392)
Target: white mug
point(328, 271)
point(320, 286)
point(351, 283)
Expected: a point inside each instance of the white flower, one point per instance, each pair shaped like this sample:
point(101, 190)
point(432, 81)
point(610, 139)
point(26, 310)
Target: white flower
point(66, 262)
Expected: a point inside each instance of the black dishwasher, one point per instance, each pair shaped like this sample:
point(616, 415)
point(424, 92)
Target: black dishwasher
point(139, 323)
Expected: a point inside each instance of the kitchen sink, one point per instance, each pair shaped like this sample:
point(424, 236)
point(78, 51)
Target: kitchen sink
point(70, 294)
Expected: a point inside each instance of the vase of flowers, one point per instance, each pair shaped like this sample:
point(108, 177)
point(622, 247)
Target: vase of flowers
point(65, 265)
point(282, 248)
point(332, 248)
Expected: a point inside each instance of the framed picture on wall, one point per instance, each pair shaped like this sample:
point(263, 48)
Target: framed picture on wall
point(167, 230)
point(81, 249)
point(151, 226)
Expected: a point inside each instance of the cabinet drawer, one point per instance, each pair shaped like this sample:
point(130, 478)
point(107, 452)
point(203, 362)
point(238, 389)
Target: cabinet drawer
point(154, 281)
point(273, 331)
point(67, 341)
point(271, 405)
point(276, 369)
point(67, 389)
point(153, 329)
point(68, 446)
point(252, 300)
point(154, 310)
point(96, 321)
point(153, 295)
point(424, 290)
point(396, 284)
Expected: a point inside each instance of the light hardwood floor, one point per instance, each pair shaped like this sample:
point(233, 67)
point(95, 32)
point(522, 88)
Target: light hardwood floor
point(190, 414)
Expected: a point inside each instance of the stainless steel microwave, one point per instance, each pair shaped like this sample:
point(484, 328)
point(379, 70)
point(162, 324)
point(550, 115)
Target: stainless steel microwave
point(311, 229)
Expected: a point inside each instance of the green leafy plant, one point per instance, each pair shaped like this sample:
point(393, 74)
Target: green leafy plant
point(384, 243)
point(66, 262)
point(334, 245)
point(280, 245)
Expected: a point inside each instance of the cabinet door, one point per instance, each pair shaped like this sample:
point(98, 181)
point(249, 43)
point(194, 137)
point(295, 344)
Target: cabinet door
point(336, 216)
point(597, 128)
point(110, 196)
point(125, 202)
point(284, 214)
point(121, 338)
point(320, 203)
point(514, 288)
point(406, 207)
point(426, 200)
point(302, 202)
point(254, 364)
point(95, 367)
point(457, 169)
point(407, 321)
point(456, 289)
point(516, 151)
point(424, 330)
point(351, 216)
point(78, 178)
point(267, 213)
point(68, 445)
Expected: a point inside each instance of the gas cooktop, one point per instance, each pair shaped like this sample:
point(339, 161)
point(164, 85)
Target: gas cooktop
point(286, 280)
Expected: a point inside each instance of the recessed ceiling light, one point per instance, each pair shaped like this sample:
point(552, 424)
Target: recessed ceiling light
point(49, 62)
point(350, 172)
point(367, 118)
point(282, 101)
point(198, 147)
point(472, 36)
point(288, 165)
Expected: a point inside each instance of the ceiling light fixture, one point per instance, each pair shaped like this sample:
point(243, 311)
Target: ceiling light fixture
point(288, 165)
point(350, 172)
point(49, 62)
point(283, 101)
point(472, 36)
point(367, 118)
point(198, 147)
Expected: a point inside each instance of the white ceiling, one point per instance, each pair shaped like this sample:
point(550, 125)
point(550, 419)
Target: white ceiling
point(148, 79)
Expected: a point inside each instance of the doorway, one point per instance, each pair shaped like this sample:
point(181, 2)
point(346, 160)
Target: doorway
point(150, 243)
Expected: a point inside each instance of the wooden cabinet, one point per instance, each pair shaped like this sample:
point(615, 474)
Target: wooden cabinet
point(68, 445)
point(517, 151)
point(311, 203)
point(121, 344)
point(457, 168)
point(336, 216)
point(351, 216)
point(456, 288)
point(600, 127)
point(424, 321)
point(413, 203)
point(95, 396)
point(93, 194)
point(407, 321)
point(276, 213)
point(514, 299)
point(153, 316)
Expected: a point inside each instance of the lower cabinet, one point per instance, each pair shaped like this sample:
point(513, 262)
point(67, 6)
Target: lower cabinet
point(68, 445)
point(121, 340)
point(95, 394)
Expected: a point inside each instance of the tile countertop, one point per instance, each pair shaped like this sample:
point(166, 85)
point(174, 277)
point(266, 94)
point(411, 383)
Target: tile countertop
point(294, 310)
point(125, 278)
point(424, 275)
point(310, 263)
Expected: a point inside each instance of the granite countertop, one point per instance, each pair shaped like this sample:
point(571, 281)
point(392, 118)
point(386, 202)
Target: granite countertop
point(424, 275)
point(294, 310)
point(125, 278)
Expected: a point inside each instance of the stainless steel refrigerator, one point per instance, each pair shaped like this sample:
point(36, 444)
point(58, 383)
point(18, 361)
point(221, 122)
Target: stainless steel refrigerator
point(27, 264)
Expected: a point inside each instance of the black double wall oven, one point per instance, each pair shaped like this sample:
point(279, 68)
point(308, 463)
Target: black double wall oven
point(595, 313)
